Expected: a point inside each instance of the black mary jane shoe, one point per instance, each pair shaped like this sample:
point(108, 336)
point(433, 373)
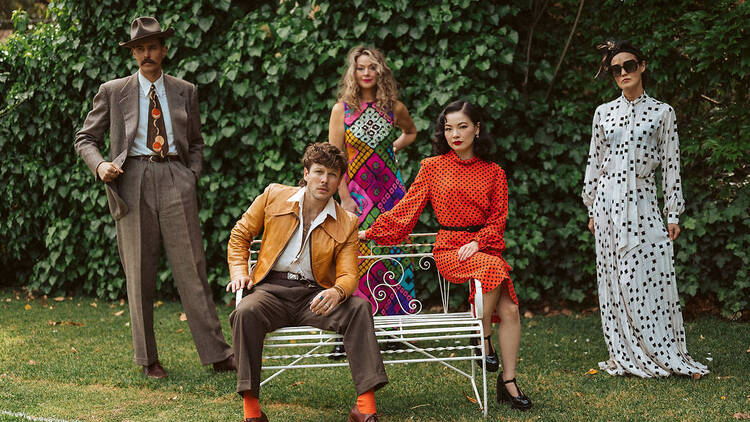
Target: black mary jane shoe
point(520, 402)
point(492, 362)
point(339, 348)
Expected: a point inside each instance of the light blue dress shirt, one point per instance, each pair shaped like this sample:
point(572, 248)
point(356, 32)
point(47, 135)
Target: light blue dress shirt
point(139, 146)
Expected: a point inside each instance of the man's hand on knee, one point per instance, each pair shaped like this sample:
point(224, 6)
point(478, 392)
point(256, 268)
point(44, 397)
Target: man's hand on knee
point(325, 302)
point(237, 284)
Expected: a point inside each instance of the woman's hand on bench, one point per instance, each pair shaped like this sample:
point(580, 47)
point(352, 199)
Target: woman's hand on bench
point(238, 284)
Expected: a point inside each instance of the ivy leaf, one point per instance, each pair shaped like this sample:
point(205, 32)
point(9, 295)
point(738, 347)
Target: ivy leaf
point(207, 77)
point(360, 28)
point(205, 23)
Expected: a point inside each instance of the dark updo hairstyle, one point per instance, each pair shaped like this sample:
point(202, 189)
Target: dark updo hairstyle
point(611, 48)
point(481, 143)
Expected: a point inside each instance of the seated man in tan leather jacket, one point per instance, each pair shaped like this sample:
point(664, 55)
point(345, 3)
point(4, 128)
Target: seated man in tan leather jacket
point(305, 275)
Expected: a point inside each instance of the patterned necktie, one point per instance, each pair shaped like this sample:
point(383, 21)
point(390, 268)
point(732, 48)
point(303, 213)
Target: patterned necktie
point(156, 137)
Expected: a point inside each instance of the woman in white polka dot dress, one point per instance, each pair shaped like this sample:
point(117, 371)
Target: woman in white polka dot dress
point(640, 307)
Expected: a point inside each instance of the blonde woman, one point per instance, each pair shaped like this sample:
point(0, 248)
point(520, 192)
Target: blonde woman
point(365, 122)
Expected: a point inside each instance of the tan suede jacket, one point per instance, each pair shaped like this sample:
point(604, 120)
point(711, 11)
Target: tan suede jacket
point(333, 248)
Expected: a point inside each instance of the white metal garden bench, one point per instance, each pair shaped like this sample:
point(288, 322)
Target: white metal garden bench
point(442, 337)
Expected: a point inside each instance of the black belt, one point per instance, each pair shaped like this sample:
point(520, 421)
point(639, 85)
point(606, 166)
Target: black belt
point(471, 229)
point(290, 279)
point(156, 158)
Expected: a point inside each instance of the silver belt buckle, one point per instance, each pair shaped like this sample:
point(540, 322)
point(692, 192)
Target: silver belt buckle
point(293, 276)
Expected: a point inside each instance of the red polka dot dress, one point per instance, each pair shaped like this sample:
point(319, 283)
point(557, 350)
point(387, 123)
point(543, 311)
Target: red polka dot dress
point(463, 193)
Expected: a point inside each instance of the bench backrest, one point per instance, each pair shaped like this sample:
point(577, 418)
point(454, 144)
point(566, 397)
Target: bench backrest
point(386, 271)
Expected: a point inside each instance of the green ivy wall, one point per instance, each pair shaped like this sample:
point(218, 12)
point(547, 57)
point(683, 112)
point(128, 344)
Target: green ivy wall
point(267, 75)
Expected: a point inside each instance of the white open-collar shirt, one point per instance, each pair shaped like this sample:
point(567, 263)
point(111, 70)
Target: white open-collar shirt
point(295, 258)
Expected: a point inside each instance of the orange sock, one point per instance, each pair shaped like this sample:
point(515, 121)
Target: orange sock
point(250, 405)
point(366, 402)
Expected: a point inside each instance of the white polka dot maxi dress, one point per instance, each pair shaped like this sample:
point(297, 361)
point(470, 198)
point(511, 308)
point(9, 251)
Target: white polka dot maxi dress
point(638, 300)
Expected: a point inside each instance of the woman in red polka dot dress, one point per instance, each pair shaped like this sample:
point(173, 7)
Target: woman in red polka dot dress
point(470, 197)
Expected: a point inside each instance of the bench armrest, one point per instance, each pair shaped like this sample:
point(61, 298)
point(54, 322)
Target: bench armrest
point(237, 297)
point(478, 306)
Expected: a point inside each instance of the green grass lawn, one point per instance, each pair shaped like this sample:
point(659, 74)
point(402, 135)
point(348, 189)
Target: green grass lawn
point(85, 372)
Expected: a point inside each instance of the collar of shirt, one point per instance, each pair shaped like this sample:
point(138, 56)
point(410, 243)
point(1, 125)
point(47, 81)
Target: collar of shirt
point(330, 208)
point(635, 101)
point(145, 85)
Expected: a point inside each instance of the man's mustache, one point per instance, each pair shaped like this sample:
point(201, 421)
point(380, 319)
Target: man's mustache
point(146, 61)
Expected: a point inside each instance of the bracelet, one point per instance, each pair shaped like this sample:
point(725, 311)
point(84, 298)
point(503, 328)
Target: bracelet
point(340, 291)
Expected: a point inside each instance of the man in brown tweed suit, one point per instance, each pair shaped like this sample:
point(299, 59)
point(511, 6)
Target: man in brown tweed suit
point(156, 153)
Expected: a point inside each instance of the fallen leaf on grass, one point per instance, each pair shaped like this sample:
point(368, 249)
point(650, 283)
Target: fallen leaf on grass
point(721, 378)
point(738, 415)
point(27, 307)
point(592, 371)
point(297, 383)
point(748, 350)
point(158, 303)
point(73, 323)
point(94, 304)
point(73, 349)
point(452, 355)
point(420, 405)
point(528, 314)
point(118, 313)
point(31, 362)
point(122, 302)
point(44, 301)
point(173, 398)
point(471, 399)
point(702, 338)
point(180, 330)
point(11, 300)
point(183, 317)
point(579, 394)
point(723, 397)
point(697, 376)
point(59, 299)
point(567, 312)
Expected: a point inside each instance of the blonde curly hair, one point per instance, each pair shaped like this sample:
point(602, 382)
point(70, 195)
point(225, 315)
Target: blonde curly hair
point(386, 92)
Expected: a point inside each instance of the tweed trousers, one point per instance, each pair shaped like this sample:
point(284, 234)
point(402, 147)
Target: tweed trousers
point(163, 208)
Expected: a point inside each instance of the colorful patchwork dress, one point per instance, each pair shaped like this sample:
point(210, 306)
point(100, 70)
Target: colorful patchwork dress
point(463, 193)
point(375, 184)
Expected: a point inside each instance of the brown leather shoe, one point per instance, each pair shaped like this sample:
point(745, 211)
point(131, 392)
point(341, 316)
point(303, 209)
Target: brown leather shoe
point(154, 370)
point(262, 418)
point(225, 365)
point(356, 416)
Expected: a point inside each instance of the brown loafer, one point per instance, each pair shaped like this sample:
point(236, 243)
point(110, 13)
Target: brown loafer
point(154, 370)
point(225, 365)
point(356, 416)
point(262, 418)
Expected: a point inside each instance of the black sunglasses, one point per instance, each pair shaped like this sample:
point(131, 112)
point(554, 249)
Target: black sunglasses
point(630, 66)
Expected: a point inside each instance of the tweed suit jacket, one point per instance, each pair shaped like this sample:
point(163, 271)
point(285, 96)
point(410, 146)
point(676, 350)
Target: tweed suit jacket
point(116, 108)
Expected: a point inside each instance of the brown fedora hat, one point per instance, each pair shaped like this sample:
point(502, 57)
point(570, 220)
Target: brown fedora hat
point(145, 27)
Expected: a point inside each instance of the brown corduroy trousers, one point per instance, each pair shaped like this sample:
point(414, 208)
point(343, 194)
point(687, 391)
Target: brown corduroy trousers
point(271, 305)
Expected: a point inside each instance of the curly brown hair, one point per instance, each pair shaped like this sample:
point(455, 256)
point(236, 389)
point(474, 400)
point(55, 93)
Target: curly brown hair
point(386, 91)
point(325, 154)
